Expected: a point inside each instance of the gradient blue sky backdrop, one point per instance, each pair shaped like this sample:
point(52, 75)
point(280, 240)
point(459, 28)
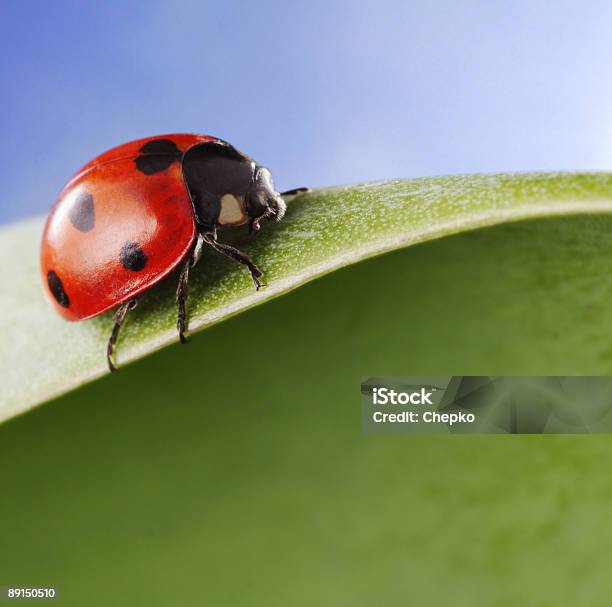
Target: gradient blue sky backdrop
point(322, 92)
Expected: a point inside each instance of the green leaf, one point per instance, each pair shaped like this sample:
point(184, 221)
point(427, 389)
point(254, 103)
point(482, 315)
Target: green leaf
point(209, 472)
point(43, 356)
point(232, 471)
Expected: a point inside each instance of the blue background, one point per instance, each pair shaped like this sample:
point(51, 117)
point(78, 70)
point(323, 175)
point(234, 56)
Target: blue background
point(321, 92)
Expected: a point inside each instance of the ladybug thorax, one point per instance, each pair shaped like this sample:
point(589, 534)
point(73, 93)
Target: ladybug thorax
point(228, 188)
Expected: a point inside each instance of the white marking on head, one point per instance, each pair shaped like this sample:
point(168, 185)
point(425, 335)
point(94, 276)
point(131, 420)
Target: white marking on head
point(233, 211)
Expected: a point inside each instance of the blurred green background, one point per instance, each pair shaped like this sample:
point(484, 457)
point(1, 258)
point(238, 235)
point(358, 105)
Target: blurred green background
point(232, 471)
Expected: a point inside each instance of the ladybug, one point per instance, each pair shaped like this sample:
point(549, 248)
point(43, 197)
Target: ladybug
point(135, 213)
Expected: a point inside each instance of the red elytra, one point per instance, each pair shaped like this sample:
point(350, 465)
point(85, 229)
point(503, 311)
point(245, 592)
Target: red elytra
point(129, 206)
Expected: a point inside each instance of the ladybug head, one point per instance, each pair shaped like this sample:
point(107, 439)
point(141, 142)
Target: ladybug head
point(262, 199)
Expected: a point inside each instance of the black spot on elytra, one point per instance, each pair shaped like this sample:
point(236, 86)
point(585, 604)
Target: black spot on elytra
point(166, 147)
point(149, 165)
point(132, 257)
point(57, 289)
point(82, 215)
point(156, 156)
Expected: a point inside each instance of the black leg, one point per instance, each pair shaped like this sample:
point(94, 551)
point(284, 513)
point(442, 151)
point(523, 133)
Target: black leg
point(181, 298)
point(254, 223)
point(122, 310)
point(236, 255)
point(182, 290)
